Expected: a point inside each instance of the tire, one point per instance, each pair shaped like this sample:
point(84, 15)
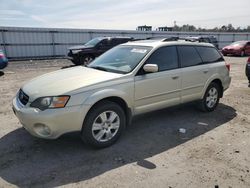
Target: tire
point(110, 121)
point(211, 98)
point(86, 60)
point(242, 53)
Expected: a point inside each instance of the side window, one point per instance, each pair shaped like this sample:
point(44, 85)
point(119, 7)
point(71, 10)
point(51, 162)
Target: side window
point(209, 55)
point(165, 58)
point(188, 56)
point(105, 43)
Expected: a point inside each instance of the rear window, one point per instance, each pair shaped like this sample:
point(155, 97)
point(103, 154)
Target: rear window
point(188, 56)
point(209, 55)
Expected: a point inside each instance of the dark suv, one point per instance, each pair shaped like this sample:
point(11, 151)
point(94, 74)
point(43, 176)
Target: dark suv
point(206, 39)
point(84, 54)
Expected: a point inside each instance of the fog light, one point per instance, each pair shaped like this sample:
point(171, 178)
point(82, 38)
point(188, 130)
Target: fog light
point(42, 130)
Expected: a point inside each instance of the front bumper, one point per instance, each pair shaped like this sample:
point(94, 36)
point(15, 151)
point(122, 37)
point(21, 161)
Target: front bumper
point(69, 58)
point(74, 59)
point(50, 123)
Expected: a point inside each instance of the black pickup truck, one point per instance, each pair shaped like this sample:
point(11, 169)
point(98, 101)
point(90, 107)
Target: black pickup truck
point(84, 54)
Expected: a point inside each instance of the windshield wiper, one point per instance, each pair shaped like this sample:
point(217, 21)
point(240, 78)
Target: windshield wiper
point(99, 68)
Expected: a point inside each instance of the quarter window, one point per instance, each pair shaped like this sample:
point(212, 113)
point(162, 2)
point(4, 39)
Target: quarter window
point(188, 56)
point(209, 55)
point(165, 58)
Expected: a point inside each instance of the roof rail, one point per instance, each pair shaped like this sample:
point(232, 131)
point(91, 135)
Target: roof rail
point(163, 38)
point(171, 39)
point(168, 39)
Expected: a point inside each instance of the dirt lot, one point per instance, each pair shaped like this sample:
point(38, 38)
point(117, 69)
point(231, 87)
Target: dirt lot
point(152, 153)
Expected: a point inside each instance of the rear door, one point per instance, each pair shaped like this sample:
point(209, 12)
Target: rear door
point(193, 73)
point(161, 89)
point(209, 56)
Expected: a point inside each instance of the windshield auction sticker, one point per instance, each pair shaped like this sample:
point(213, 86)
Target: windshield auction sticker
point(136, 50)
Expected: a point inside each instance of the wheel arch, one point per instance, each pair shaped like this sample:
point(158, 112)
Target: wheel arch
point(118, 99)
point(219, 83)
point(214, 80)
point(88, 53)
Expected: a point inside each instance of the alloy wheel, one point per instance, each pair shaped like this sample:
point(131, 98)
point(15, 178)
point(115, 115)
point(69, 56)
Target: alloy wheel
point(212, 97)
point(87, 60)
point(105, 126)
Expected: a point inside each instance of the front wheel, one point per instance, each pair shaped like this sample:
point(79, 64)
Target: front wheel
point(86, 60)
point(211, 98)
point(104, 124)
point(242, 53)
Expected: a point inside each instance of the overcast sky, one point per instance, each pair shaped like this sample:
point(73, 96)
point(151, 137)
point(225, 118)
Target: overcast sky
point(115, 14)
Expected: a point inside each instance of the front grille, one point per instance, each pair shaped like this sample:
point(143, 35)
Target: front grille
point(23, 98)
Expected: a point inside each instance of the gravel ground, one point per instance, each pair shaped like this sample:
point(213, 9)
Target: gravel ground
point(214, 151)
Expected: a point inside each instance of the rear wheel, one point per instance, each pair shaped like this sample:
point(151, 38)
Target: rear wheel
point(104, 124)
point(211, 98)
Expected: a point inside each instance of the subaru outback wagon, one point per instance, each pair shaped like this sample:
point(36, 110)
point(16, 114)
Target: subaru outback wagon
point(130, 79)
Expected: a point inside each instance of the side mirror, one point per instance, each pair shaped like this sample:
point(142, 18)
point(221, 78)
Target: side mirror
point(150, 68)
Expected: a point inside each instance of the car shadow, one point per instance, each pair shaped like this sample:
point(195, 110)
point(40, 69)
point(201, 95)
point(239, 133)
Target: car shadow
point(1, 73)
point(26, 161)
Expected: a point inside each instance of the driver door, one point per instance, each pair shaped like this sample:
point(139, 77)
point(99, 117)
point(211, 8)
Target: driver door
point(160, 89)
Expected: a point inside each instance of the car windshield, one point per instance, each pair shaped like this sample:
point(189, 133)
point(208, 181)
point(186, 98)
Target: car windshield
point(239, 43)
point(121, 59)
point(93, 42)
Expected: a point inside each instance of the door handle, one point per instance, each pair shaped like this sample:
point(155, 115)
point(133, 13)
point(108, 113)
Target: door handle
point(175, 77)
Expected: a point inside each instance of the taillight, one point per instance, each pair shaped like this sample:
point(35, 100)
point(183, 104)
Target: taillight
point(228, 66)
point(1, 55)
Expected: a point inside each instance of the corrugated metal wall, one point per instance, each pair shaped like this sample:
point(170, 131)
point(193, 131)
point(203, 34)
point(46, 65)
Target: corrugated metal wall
point(20, 43)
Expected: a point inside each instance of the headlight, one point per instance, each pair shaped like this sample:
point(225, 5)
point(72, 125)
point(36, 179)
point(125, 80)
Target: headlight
point(44, 103)
point(75, 51)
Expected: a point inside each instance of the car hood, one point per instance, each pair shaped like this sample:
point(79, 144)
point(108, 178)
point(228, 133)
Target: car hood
point(80, 47)
point(65, 81)
point(232, 47)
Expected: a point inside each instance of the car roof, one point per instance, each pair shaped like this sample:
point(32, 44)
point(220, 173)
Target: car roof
point(161, 42)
